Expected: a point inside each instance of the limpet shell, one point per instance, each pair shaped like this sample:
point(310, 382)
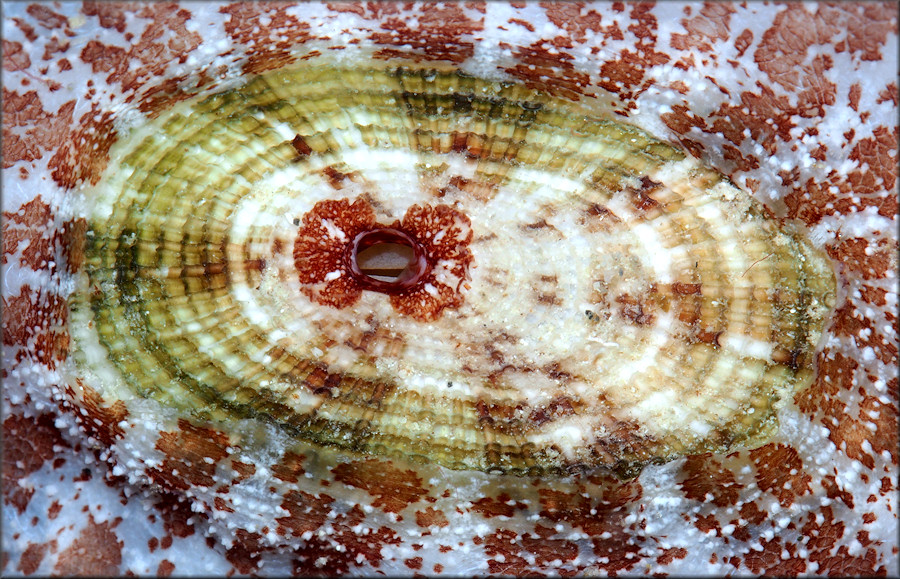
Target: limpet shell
point(593, 296)
point(795, 102)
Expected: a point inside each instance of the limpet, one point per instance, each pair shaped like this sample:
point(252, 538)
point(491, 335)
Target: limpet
point(794, 102)
point(581, 294)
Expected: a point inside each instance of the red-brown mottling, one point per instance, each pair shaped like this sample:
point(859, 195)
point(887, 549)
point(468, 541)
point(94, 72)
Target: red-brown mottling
point(431, 517)
point(343, 548)
point(635, 309)
point(219, 504)
point(442, 33)
point(269, 46)
point(317, 254)
point(544, 68)
point(244, 470)
point(851, 321)
point(290, 467)
point(176, 515)
point(31, 558)
point(48, 18)
point(27, 29)
point(602, 517)
point(852, 430)
point(99, 420)
point(414, 563)
point(501, 506)
point(27, 444)
point(823, 536)
point(812, 201)
point(307, 512)
point(579, 22)
point(72, 240)
point(711, 25)
point(186, 450)
point(165, 568)
point(890, 93)
point(32, 225)
point(741, 162)
point(85, 155)
point(625, 76)
point(35, 320)
point(595, 514)
point(752, 513)
point(834, 490)
point(669, 555)
point(706, 477)
point(167, 94)
point(523, 23)
point(54, 509)
point(511, 554)
point(393, 489)
point(772, 560)
point(708, 524)
point(54, 46)
point(878, 154)
point(153, 54)
point(353, 550)
point(781, 472)
point(789, 70)
point(794, 86)
point(245, 553)
point(97, 551)
point(111, 15)
point(29, 130)
point(836, 373)
point(424, 224)
point(14, 58)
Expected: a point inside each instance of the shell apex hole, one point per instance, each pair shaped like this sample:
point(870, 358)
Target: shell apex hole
point(385, 261)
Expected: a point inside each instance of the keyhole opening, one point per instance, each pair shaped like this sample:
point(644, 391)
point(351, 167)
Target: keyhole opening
point(386, 260)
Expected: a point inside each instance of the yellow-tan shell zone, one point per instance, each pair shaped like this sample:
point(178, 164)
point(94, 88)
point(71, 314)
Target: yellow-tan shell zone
point(624, 303)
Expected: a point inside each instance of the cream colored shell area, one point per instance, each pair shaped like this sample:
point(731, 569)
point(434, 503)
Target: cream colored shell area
point(650, 374)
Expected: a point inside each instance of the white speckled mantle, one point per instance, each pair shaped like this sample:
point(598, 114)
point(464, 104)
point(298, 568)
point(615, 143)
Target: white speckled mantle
point(796, 103)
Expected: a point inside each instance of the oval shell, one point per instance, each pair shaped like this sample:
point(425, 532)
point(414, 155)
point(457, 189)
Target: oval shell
point(798, 108)
point(595, 297)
